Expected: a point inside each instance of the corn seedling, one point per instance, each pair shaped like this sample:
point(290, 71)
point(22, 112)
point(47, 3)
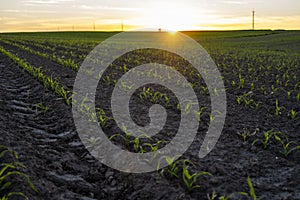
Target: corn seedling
point(11, 169)
point(246, 134)
point(241, 82)
point(262, 89)
point(103, 119)
point(204, 90)
point(156, 96)
point(274, 90)
point(125, 86)
point(190, 180)
point(126, 138)
point(289, 94)
point(268, 136)
point(293, 113)
point(287, 149)
point(278, 108)
point(252, 86)
point(172, 168)
point(93, 142)
point(44, 109)
point(153, 148)
point(213, 196)
point(107, 80)
point(251, 192)
point(239, 99)
point(251, 188)
point(233, 83)
point(136, 142)
point(200, 113)
point(188, 106)
point(298, 97)
point(224, 197)
point(146, 93)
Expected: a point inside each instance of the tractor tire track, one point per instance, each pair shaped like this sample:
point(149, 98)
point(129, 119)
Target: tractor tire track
point(48, 145)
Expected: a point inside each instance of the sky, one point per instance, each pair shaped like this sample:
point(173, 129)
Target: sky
point(109, 15)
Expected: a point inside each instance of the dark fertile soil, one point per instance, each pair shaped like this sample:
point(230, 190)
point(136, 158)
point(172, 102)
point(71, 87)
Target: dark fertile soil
point(61, 168)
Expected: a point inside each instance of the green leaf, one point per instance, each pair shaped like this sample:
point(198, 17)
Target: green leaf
point(17, 194)
point(169, 160)
point(6, 166)
point(252, 192)
point(5, 186)
point(20, 174)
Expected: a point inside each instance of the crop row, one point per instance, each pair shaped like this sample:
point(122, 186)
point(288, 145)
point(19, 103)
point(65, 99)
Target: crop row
point(48, 81)
point(60, 60)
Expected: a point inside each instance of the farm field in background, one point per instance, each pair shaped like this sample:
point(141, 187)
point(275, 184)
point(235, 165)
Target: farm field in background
point(259, 146)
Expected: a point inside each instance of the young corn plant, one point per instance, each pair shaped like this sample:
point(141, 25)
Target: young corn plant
point(263, 89)
point(154, 148)
point(44, 109)
point(172, 167)
point(252, 86)
point(146, 93)
point(298, 97)
point(11, 194)
point(93, 142)
point(103, 119)
point(278, 108)
point(200, 113)
point(126, 86)
point(214, 195)
point(268, 137)
point(251, 192)
point(274, 90)
point(293, 114)
point(8, 170)
point(241, 82)
point(239, 99)
point(187, 108)
point(287, 146)
point(246, 134)
point(233, 83)
point(136, 142)
point(190, 180)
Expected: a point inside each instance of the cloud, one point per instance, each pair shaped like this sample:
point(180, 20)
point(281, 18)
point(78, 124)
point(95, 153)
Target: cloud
point(86, 7)
point(39, 3)
point(46, 1)
point(235, 2)
point(29, 11)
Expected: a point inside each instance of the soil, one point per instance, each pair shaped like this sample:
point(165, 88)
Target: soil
point(61, 168)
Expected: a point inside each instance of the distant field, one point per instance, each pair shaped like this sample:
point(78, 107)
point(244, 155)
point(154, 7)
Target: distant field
point(260, 139)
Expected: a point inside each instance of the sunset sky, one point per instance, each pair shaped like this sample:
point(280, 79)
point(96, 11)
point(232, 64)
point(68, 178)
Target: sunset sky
point(106, 15)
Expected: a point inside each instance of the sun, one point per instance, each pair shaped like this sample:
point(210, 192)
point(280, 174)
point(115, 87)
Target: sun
point(170, 16)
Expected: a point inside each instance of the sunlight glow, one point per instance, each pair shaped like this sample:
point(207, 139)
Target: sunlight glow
point(174, 17)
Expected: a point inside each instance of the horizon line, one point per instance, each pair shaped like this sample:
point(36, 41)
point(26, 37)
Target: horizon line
point(111, 31)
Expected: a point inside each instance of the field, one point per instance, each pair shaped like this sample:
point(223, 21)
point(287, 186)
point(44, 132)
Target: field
point(257, 155)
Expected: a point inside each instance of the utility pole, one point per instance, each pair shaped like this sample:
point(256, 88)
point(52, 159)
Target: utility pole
point(122, 26)
point(94, 26)
point(253, 13)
